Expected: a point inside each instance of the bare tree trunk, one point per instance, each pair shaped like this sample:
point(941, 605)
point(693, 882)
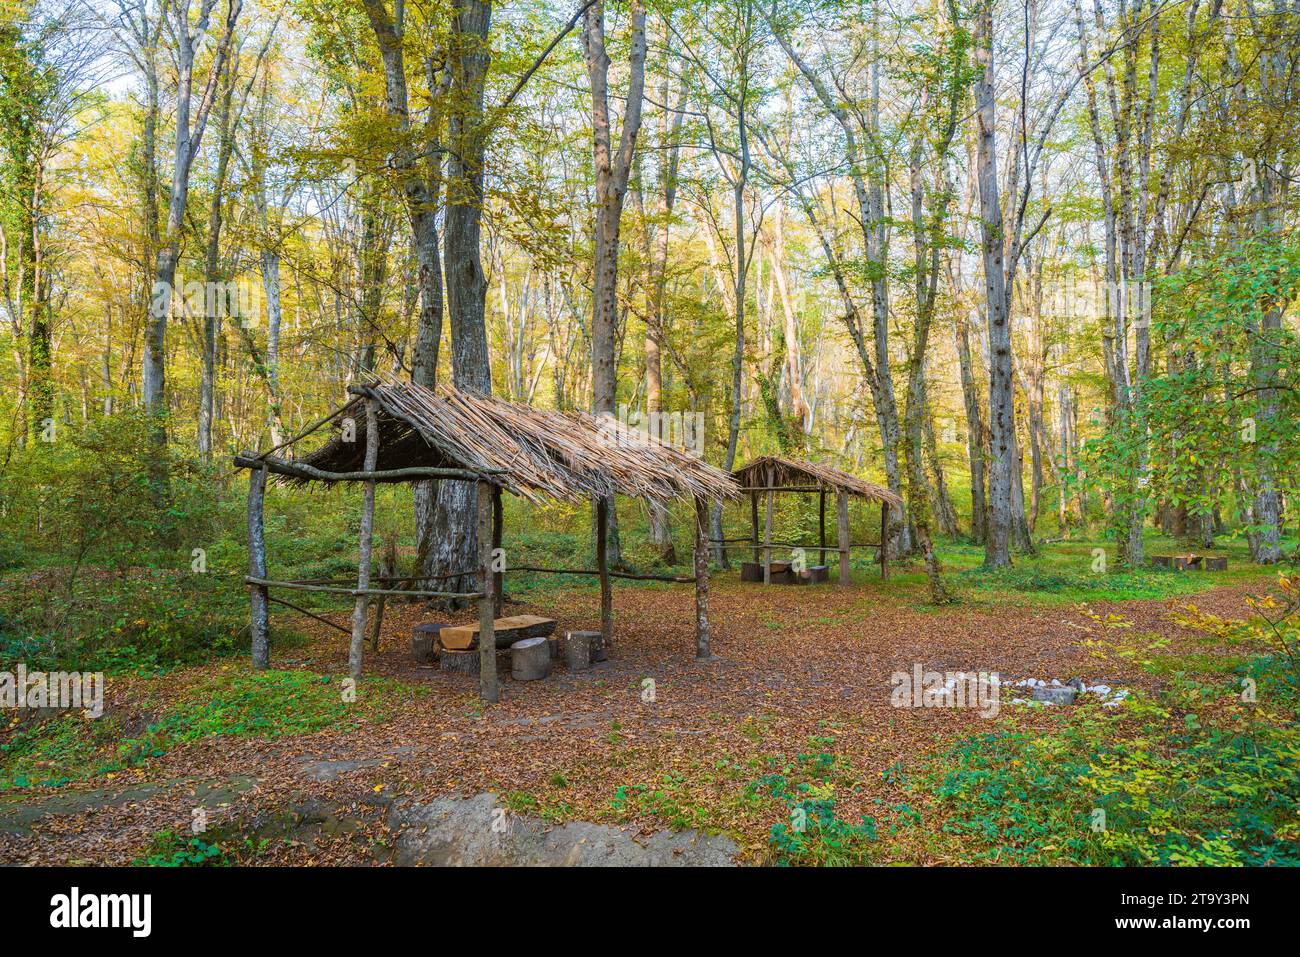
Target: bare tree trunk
point(1002, 424)
point(975, 434)
point(661, 533)
point(189, 37)
point(453, 545)
point(612, 172)
point(421, 183)
point(211, 316)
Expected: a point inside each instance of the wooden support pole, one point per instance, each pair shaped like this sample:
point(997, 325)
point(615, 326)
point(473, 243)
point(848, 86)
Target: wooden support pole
point(753, 518)
point(821, 527)
point(386, 575)
point(487, 642)
point(357, 647)
point(767, 540)
point(310, 614)
point(702, 650)
point(842, 508)
point(884, 541)
point(498, 578)
point(300, 470)
point(602, 566)
point(258, 618)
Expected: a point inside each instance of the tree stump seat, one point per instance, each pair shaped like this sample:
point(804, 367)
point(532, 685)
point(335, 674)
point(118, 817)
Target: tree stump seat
point(424, 641)
point(814, 574)
point(506, 630)
point(530, 659)
point(460, 662)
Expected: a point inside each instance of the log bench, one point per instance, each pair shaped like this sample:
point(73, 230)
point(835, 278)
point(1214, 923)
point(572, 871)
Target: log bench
point(814, 574)
point(506, 630)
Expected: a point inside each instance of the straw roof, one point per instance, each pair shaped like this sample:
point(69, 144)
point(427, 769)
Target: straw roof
point(774, 471)
point(529, 452)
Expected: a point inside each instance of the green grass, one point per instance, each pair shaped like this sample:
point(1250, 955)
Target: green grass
point(268, 704)
point(1188, 776)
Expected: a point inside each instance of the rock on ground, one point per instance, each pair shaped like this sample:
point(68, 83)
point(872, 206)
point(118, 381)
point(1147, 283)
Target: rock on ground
point(477, 831)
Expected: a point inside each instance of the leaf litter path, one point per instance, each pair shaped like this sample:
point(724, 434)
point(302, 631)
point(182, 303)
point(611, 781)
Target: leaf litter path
point(797, 670)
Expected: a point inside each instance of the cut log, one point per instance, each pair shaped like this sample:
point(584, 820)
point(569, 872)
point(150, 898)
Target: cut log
point(1216, 564)
point(814, 574)
point(530, 659)
point(599, 647)
point(461, 662)
point(784, 576)
point(751, 571)
point(577, 650)
point(424, 642)
point(507, 632)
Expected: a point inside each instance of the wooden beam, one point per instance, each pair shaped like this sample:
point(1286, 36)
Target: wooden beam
point(311, 473)
point(357, 648)
point(595, 573)
point(353, 590)
point(842, 509)
point(753, 518)
point(821, 527)
point(487, 642)
point(309, 614)
point(602, 566)
point(884, 541)
point(806, 546)
point(386, 569)
point(767, 540)
point(702, 649)
point(258, 618)
point(498, 580)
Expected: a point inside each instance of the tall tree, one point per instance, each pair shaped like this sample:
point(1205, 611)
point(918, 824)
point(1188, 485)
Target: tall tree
point(613, 167)
point(189, 31)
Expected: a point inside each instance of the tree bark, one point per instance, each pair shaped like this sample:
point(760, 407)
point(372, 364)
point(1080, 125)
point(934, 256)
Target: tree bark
point(452, 545)
point(1002, 426)
point(612, 172)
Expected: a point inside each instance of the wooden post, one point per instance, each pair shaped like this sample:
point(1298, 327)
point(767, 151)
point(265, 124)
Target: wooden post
point(821, 526)
point(753, 518)
point(602, 566)
point(842, 507)
point(498, 576)
point(257, 596)
point(387, 569)
point(487, 639)
point(767, 538)
point(702, 650)
point(367, 540)
point(884, 541)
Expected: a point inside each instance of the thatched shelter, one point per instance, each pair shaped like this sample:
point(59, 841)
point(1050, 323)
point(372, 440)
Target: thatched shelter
point(772, 474)
point(399, 432)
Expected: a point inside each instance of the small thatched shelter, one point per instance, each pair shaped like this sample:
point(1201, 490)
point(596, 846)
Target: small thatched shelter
point(772, 474)
point(400, 432)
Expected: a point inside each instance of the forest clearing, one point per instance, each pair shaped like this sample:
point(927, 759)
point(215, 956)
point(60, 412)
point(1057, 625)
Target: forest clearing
point(650, 433)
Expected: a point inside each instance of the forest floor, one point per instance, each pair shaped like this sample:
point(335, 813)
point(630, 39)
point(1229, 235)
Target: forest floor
point(216, 763)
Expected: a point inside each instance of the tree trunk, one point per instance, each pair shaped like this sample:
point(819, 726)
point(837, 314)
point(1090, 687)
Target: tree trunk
point(452, 541)
point(1002, 425)
point(612, 172)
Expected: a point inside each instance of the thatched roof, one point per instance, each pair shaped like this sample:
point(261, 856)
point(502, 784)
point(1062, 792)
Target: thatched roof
point(774, 471)
point(529, 452)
